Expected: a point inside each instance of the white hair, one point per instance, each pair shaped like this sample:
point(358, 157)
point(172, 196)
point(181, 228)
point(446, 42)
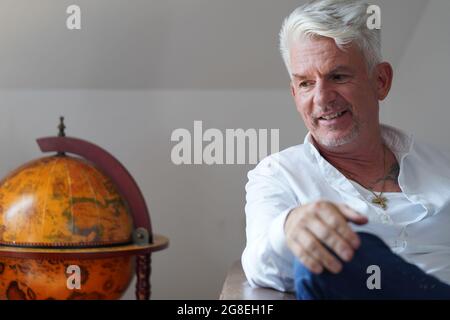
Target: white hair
point(344, 21)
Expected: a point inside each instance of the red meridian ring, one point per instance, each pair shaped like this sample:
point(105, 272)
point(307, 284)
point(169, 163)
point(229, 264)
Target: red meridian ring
point(111, 167)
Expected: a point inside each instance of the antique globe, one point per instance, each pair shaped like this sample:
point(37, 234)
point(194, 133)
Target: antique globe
point(63, 217)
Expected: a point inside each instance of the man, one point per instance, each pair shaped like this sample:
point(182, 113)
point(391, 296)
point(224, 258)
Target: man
point(357, 198)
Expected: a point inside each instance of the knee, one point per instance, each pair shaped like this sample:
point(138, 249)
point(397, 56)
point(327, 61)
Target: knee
point(371, 241)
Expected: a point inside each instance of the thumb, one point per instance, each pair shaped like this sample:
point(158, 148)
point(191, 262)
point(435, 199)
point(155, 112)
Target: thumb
point(352, 215)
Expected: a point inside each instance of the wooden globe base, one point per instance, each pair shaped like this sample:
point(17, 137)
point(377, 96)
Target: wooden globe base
point(159, 243)
point(142, 253)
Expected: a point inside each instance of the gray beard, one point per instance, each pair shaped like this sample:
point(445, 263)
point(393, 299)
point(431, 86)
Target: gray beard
point(332, 142)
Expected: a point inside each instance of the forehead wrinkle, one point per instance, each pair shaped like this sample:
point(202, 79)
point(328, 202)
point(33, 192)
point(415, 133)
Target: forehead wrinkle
point(319, 68)
point(317, 57)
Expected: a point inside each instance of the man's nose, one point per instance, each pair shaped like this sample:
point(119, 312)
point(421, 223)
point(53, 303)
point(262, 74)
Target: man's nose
point(325, 94)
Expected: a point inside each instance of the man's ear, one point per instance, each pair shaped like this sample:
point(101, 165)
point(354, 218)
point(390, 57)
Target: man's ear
point(383, 79)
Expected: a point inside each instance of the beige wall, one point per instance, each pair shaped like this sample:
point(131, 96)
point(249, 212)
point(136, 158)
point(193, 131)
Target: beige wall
point(419, 101)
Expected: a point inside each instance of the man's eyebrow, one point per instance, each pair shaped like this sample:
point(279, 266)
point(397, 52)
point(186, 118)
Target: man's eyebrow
point(298, 76)
point(335, 70)
point(341, 69)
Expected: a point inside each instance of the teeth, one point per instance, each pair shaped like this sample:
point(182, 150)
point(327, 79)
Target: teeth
point(333, 116)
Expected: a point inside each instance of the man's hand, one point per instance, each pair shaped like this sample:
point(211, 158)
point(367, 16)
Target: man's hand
point(311, 227)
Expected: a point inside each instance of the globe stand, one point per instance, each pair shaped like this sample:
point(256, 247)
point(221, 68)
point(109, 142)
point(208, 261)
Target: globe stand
point(144, 241)
point(143, 271)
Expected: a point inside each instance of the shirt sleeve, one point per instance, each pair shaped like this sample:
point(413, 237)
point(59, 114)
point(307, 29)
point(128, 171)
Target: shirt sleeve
point(266, 260)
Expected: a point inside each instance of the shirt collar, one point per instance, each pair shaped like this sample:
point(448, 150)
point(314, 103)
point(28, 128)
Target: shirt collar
point(399, 142)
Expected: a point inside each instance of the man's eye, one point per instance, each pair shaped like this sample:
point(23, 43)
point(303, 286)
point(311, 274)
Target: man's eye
point(304, 84)
point(340, 78)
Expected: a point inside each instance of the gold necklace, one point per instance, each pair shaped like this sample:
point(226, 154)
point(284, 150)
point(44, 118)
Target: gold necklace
point(379, 200)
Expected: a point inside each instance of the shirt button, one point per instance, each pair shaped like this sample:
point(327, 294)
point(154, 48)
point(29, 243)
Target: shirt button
point(404, 244)
point(385, 219)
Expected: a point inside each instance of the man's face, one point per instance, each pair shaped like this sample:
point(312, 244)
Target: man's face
point(333, 91)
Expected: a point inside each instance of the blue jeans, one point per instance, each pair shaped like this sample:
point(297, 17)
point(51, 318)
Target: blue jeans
point(398, 279)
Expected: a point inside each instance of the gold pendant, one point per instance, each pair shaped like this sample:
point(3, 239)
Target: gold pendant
point(380, 201)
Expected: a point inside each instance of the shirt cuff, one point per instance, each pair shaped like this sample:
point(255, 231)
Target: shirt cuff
point(277, 237)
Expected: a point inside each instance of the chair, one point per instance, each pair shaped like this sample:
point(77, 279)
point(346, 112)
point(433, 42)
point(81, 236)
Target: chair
point(236, 287)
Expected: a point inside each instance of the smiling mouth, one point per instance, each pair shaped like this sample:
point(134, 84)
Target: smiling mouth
point(333, 116)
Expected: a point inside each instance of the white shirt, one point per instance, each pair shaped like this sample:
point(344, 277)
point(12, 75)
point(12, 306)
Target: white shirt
point(416, 225)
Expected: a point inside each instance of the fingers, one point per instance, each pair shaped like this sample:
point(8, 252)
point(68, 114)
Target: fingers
point(314, 248)
point(313, 254)
point(305, 258)
point(333, 217)
point(352, 215)
point(316, 229)
point(331, 239)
